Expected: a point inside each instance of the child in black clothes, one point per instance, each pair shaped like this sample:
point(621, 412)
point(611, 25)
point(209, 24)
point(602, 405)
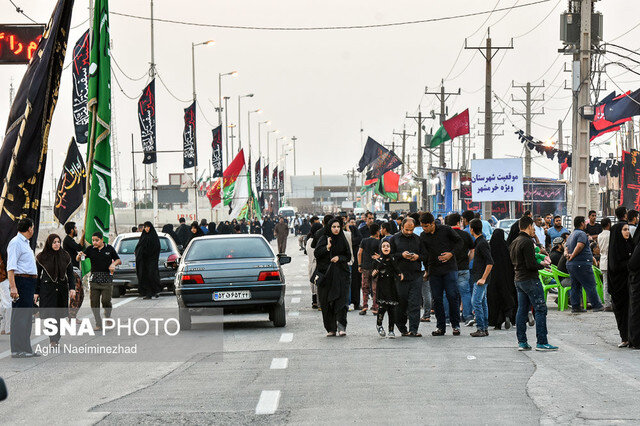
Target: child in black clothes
point(386, 269)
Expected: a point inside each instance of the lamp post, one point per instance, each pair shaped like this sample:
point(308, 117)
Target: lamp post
point(277, 154)
point(195, 143)
point(226, 127)
point(293, 142)
point(250, 95)
point(231, 126)
point(258, 111)
point(260, 123)
point(268, 133)
point(220, 75)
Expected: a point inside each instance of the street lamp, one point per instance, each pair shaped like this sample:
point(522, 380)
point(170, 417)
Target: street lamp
point(260, 123)
point(277, 154)
point(232, 74)
point(195, 143)
point(250, 95)
point(257, 111)
point(232, 126)
point(226, 125)
point(268, 133)
point(293, 142)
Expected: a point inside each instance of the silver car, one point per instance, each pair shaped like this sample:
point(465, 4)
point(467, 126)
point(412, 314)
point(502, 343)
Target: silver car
point(125, 276)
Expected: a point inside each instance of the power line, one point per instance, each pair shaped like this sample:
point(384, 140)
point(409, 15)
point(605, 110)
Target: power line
point(21, 11)
point(169, 91)
point(626, 32)
point(329, 28)
point(541, 21)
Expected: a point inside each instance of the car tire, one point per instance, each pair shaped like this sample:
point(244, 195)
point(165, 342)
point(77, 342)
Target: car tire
point(184, 318)
point(278, 315)
point(123, 290)
point(171, 288)
point(115, 292)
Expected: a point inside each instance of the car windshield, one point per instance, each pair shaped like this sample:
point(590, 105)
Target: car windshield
point(506, 224)
point(228, 248)
point(128, 245)
point(286, 213)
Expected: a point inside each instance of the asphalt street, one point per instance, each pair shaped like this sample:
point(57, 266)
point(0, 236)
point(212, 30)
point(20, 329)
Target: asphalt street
point(266, 375)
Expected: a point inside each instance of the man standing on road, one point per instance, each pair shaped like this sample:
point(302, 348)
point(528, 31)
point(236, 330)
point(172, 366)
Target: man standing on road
point(530, 292)
point(515, 229)
point(364, 226)
point(462, 259)
point(183, 232)
point(407, 249)
point(282, 232)
point(541, 235)
point(482, 265)
point(69, 244)
point(558, 230)
point(22, 274)
point(440, 242)
point(593, 228)
point(104, 259)
point(580, 267)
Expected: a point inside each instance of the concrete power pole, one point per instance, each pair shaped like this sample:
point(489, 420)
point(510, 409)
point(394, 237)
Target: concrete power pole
point(404, 146)
point(580, 195)
point(488, 51)
point(442, 96)
point(154, 169)
point(527, 101)
point(560, 147)
point(420, 168)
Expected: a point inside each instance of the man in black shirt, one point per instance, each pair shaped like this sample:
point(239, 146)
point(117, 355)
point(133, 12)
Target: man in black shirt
point(482, 264)
point(440, 242)
point(465, 286)
point(364, 226)
point(70, 245)
point(368, 247)
point(407, 250)
point(530, 292)
point(593, 228)
point(104, 259)
point(183, 232)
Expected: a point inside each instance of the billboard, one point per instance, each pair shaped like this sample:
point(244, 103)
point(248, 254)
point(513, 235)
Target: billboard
point(497, 180)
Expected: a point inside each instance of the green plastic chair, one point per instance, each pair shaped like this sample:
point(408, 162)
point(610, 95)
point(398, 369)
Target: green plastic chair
point(547, 280)
point(597, 273)
point(563, 299)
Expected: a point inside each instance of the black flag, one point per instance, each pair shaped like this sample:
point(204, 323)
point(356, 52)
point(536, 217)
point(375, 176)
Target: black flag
point(382, 164)
point(147, 121)
point(189, 137)
point(216, 152)
point(265, 177)
point(80, 73)
point(372, 150)
point(281, 182)
point(23, 155)
point(258, 179)
point(71, 186)
point(274, 178)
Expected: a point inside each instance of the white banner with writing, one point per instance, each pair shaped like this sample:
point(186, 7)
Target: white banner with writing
point(499, 179)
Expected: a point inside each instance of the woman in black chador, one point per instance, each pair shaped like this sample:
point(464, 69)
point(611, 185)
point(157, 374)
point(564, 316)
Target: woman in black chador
point(147, 258)
point(386, 269)
point(56, 281)
point(333, 255)
point(620, 250)
point(634, 298)
point(501, 292)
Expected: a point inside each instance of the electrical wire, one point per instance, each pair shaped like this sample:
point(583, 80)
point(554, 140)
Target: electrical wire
point(80, 24)
point(169, 91)
point(330, 28)
point(203, 114)
point(113, 59)
point(626, 32)
point(21, 11)
point(115, 77)
point(539, 23)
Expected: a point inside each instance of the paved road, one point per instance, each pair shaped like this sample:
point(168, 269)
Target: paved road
point(297, 375)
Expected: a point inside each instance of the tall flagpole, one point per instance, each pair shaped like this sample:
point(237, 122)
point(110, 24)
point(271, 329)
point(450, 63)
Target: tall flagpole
point(154, 170)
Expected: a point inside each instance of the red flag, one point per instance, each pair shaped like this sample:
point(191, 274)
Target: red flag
point(214, 193)
point(391, 182)
point(563, 166)
point(458, 125)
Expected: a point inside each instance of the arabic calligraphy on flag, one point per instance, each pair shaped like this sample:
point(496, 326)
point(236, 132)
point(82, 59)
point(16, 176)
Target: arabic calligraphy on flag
point(147, 120)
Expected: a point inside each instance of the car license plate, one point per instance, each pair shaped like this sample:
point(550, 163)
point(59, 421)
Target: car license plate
point(232, 295)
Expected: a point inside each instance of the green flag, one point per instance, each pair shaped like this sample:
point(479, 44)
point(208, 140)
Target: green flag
point(440, 137)
point(99, 106)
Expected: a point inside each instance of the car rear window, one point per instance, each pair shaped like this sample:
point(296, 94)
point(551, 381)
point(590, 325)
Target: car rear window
point(228, 248)
point(128, 246)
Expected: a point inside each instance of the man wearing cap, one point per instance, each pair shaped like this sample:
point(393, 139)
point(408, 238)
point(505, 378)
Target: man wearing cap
point(557, 250)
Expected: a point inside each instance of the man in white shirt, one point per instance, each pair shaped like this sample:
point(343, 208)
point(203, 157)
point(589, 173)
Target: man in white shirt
point(603, 243)
point(540, 233)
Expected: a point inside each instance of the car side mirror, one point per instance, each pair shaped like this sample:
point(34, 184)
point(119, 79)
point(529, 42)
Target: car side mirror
point(3, 391)
point(283, 259)
point(172, 262)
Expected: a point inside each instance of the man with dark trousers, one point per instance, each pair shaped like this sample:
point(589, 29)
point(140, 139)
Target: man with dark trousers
point(529, 287)
point(407, 250)
point(440, 244)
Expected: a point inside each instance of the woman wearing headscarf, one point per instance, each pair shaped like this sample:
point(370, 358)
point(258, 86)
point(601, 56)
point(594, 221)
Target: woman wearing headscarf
point(333, 254)
point(267, 229)
point(620, 250)
point(196, 231)
point(501, 292)
point(212, 228)
point(387, 272)
point(147, 257)
point(312, 262)
point(168, 229)
point(256, 228)
point(56, 282)
point(634, 298)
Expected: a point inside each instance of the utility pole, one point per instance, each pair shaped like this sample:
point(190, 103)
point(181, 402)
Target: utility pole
point(488, 51)
point(404, 145)
point(154, 169)
point(420, 169)
point(442, 96)
point(560, 147)
point(527, 101)
point(294, 140)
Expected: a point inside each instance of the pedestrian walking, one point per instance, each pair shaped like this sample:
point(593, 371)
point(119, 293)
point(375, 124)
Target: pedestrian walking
point(316, 227)
point(482, 265)
point(454, 220)
point(282, 232)
point(56, 282)
point(386, 272)
point(147, 255)
point(103, 259)
point(72, 248)
point(368, 248)
point(580, 267)
point(211, 227)
point(440, 243)
point(267, 229)
point(603, 243)
point(529, 287)
point(408, 252)
point(501, 292)
point(22, 274)
point(168, 229)
point(620, 251)
point(332, 256)
point(196, 231)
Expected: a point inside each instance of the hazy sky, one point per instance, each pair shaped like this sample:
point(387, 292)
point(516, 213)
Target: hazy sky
point(319, 85)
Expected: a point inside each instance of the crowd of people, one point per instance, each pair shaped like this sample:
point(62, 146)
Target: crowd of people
point(458, 268)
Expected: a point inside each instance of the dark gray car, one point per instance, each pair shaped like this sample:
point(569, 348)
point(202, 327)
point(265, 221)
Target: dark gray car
point(125, 276)
point(237, 273)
